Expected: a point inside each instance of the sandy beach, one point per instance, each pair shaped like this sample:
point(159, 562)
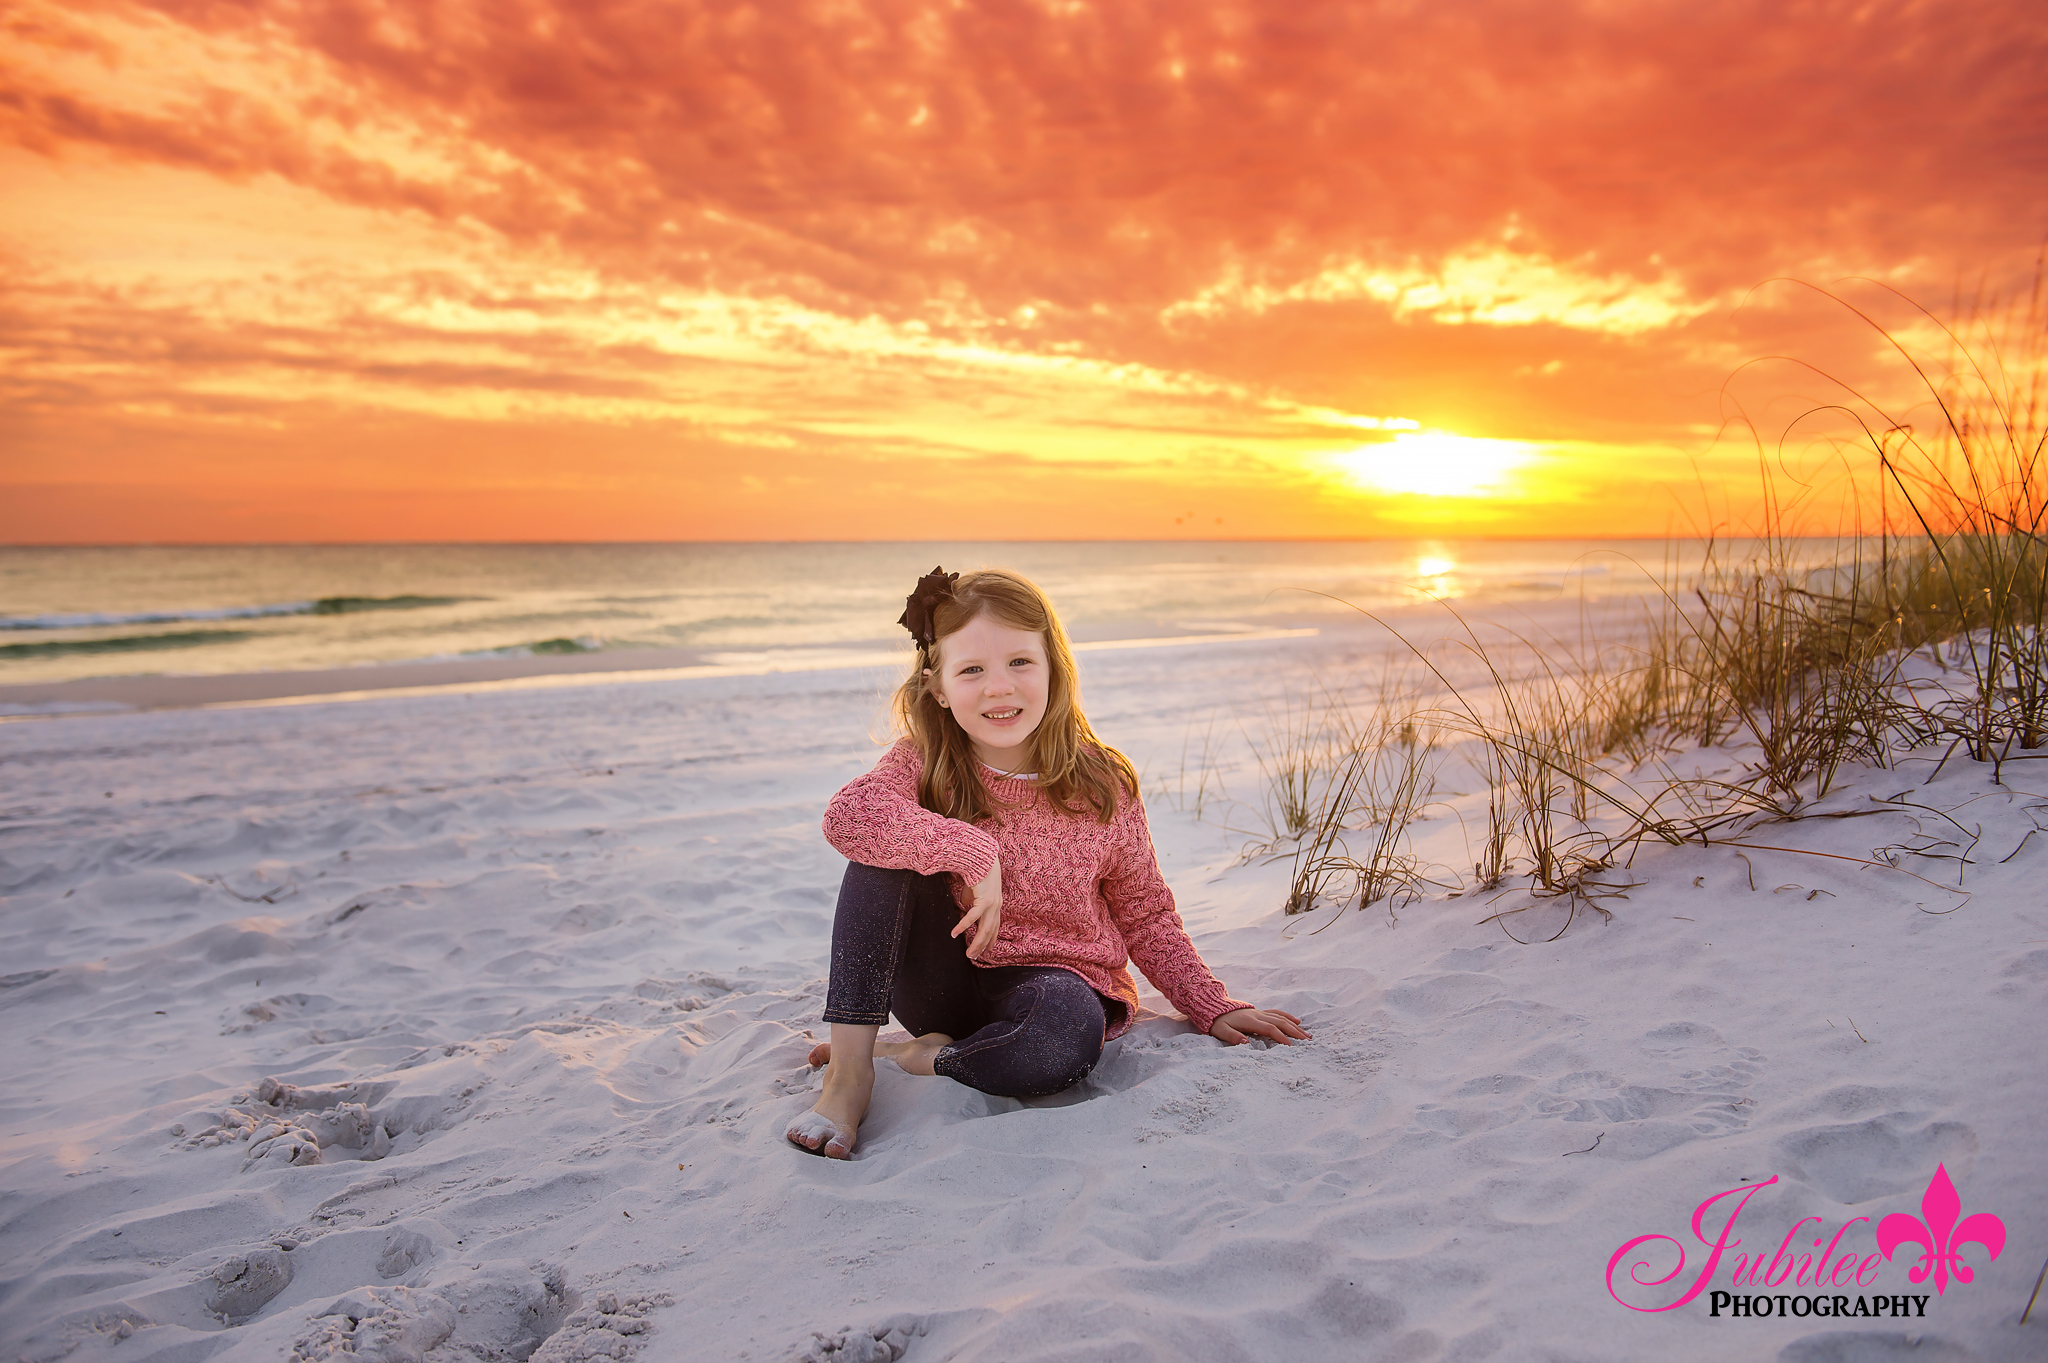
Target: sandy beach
point(1550, 499)
point(465, 1025)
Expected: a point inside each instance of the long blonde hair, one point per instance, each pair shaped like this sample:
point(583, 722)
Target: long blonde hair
point(1077, 770)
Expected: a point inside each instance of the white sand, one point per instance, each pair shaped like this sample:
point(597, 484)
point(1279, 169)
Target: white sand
point(539, 967)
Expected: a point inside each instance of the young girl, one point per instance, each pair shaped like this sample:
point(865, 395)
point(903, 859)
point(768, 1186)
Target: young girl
point(1001, 875)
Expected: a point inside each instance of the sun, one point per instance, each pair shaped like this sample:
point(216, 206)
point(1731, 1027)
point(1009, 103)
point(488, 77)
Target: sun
point(1434, 464)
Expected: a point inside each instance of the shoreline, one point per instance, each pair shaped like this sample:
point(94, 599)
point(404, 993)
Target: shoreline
point(381, 681)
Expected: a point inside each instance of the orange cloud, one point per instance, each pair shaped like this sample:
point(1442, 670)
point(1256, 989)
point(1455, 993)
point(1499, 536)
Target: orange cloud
point(862, 254)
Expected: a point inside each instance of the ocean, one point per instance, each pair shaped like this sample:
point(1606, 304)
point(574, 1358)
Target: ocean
point(96, 612)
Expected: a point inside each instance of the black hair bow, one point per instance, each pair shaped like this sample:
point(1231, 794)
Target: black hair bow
point(933, 588)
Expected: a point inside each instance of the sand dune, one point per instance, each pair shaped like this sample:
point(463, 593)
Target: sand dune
point(454, 1027)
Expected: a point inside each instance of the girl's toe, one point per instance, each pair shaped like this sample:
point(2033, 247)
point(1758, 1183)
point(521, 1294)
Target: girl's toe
point(810, 1132)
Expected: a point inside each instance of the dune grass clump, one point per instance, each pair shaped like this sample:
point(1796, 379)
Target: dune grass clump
point(1794, 651)
point(1804, 654)
point(1355, 848)
point(1299, 748)
point(1974, 591)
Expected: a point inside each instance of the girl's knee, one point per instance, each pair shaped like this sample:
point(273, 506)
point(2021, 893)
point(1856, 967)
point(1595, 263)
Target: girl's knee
point(1040, 1077)
point(1075, 1067)
point(1064, 1064)
point(861, 876)
point(1060, 1044)
point(1079, 1063)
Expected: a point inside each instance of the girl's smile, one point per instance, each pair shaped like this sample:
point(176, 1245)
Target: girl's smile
point(992, 677)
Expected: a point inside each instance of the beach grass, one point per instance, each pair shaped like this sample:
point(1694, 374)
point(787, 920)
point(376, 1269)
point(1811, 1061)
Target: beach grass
point(1793, 651)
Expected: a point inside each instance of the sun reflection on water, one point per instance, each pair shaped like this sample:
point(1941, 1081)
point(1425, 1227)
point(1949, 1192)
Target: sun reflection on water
point(1436, 571)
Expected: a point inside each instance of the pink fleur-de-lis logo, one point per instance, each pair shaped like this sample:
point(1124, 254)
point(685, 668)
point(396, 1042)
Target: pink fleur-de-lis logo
point(1939, 1233)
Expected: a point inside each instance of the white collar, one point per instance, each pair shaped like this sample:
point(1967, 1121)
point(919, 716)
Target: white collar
point(1010, 775)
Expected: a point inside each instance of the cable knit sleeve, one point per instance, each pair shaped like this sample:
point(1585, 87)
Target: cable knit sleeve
point(1142, 907)
point(876, 820)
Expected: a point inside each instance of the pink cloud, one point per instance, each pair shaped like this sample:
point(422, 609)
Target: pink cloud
point(886, 153)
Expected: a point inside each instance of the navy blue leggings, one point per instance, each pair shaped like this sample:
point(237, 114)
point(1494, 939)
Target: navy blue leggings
point(1019, 1031)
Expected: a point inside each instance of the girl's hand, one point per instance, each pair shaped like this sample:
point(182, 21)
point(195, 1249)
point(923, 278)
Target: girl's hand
point(984, 914)
point(1240, 1025)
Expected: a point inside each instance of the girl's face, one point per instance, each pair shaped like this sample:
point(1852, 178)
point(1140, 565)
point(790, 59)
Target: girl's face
point(993, 677)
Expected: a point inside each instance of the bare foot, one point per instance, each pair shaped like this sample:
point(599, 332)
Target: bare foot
point(913, 1055)
point(829, 1128)
point(916, 1055)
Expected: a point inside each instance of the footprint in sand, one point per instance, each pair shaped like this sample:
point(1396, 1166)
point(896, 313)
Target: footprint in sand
point(883, 1343)
point(1853, 1162)
point(286, 1007)
point(497, 1309)
point(281, 1125)
point(610, 1326)
point(1690, 1084)
point(239, 1288)
point(376, 1322)
point(1856, 1346)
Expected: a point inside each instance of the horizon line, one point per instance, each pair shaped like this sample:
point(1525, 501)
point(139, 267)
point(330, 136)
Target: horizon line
point(635, 543)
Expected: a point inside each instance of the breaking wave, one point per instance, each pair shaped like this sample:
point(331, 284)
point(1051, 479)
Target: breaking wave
point(326, 605)
point(126, 643)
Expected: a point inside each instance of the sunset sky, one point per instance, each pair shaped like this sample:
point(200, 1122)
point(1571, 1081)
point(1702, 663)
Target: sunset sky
point(890, 269)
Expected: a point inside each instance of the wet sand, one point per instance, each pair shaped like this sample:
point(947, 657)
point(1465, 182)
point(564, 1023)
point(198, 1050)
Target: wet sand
point(178, 692)
point(390, 680)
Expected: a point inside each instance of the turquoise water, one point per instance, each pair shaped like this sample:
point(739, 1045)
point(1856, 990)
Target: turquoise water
point(68, 613)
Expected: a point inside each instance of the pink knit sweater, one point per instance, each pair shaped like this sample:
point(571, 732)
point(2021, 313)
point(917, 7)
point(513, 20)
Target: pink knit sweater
point(1077, 894)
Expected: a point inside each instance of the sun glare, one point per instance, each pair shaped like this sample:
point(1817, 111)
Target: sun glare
point(1433, 567)
point(1434, 464)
